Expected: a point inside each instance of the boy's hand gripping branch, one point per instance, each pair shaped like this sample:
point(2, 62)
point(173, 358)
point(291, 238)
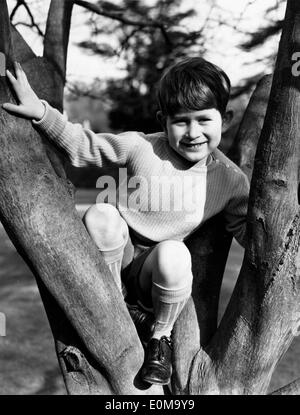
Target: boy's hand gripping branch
point(30, 106)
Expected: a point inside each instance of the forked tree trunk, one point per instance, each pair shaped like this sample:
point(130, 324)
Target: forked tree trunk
point(97, 345)
point(263, 314)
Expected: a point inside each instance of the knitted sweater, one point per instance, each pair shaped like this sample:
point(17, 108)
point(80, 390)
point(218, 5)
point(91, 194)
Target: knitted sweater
point(159, 194)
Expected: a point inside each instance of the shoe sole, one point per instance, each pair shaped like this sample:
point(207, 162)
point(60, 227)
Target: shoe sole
point(155, 381)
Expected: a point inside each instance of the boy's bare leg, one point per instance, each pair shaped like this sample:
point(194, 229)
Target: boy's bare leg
point(110, 233)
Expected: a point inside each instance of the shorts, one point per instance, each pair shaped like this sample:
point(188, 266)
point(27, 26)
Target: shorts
point(135, 255)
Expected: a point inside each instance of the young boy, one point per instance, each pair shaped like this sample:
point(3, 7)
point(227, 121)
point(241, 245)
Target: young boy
point(192, 96)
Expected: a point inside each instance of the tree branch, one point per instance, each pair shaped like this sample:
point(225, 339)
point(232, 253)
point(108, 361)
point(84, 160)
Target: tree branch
point(22, 50)
point(33, 23)
point(141, 24)
point(245, 143)
point(14, 10)
point(57, 34)
point(292, 388)
point(6, 46)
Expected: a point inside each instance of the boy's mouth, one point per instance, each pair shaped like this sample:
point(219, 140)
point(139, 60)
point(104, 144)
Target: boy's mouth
point(194, 146)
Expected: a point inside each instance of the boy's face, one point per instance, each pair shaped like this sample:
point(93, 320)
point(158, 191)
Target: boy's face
point(194, 134)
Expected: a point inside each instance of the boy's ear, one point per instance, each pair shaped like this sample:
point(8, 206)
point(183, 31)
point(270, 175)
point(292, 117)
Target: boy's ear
point(227, 118)
point(162, 119)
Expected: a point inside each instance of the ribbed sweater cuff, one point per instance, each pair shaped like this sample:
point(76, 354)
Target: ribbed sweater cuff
point(51, 123)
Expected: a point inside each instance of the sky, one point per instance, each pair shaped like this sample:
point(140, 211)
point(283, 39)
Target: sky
point(241, 15)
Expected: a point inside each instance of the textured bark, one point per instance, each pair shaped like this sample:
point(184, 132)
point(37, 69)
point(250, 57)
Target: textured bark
point(245, 143)
point(57, 39)
point(292, 388)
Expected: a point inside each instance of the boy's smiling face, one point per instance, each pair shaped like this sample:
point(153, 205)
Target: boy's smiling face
point(194, 134)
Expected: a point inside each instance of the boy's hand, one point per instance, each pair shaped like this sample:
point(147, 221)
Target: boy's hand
point(30, 105)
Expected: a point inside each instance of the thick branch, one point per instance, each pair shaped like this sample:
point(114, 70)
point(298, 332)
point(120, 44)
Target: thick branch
point(57, 34)
point(276, 167)
point(22, 50)
point(245, 143)
point(6, 46)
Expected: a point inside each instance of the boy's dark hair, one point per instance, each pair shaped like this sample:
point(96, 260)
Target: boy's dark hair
point(193, 84)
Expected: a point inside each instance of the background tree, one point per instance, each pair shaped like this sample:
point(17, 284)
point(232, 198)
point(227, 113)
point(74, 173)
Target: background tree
point(80, 297)
point(147, 38)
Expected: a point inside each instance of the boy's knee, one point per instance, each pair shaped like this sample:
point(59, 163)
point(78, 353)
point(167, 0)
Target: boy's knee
point(174, 263)
point(104, 224)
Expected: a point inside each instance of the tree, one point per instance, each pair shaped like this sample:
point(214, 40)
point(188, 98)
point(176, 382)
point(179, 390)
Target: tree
point(149, 37)
point(96, 342)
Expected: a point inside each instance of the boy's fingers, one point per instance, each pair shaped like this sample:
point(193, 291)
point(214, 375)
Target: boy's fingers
point(17, 109)
point(20, 71)
point(10, 76)
point(17, 66)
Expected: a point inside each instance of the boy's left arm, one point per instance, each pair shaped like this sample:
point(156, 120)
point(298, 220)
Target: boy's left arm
point(235, 212)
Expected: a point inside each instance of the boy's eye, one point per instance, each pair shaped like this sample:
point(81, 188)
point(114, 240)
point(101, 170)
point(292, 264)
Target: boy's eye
point(184, 122)
point(179, 122)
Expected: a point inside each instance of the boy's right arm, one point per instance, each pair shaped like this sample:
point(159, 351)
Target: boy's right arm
point(83, 147)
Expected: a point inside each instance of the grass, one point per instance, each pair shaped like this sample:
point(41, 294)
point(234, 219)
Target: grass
point(27, 357)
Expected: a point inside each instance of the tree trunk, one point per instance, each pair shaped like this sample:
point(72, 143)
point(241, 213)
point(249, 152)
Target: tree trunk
point(97, 345)
point(38, 213)
point(263, 314)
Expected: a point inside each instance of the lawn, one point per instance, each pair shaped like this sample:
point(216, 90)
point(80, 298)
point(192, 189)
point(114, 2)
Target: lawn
point(27, 357)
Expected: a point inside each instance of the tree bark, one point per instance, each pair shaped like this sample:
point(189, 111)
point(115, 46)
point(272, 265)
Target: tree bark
point(292, 388)
point(245, 143)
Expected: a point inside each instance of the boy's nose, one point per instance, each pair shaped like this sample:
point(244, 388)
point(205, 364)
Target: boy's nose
point(194, 130)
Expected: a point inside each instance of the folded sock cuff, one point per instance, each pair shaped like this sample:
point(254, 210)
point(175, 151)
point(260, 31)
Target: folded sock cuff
point(114, 253)
point(171, 295)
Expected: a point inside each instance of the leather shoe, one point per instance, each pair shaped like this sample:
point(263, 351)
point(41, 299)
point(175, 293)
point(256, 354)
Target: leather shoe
point(143, 321)
point(157, 367)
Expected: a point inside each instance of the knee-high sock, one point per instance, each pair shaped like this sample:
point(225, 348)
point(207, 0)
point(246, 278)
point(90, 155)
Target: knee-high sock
point(167, 305)
point(113, 258)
